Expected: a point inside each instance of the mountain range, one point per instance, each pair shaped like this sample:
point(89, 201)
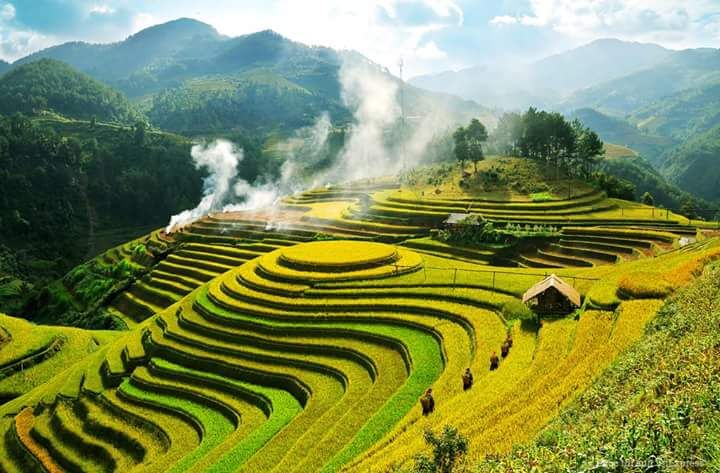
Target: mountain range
point(186, 77)
point(548, 81)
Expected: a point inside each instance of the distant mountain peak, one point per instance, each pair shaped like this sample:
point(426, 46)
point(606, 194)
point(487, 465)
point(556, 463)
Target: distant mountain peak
point(181, 27)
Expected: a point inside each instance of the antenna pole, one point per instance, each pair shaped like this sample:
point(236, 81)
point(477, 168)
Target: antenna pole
point(402, 115)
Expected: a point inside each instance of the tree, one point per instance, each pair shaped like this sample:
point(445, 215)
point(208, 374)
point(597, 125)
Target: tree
point(461, 150)
point(139, 131)
point(590, 150)
point(476, 134)
point(449, 448)
point(647, 199)
point(688, 209)
point(507, 134)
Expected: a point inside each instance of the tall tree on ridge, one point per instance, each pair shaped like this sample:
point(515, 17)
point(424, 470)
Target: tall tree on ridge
point(461, 150)
point(475, 134)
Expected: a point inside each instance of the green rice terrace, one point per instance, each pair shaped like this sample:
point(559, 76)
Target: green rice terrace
point(299, 338)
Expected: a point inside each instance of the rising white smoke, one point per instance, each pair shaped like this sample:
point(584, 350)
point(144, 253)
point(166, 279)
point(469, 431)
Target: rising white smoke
point(373, 98)
point(221, 159)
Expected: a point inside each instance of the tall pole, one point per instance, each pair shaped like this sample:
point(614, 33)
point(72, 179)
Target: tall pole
point(402, 115)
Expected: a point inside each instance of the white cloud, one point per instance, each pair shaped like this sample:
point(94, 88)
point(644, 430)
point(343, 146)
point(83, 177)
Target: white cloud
point(680, 24)
point(430, 51)
point(142, 21)
point(446, 9)
point(379, 29)
point(7, 12)
point(102, 9)
point(16, 44)
point(504, 20)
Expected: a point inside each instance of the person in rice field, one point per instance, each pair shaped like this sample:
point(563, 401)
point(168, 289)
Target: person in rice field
point(427, 402)
point(494, 362)
point(505, 349)
point(509, 339)
point(467, 379)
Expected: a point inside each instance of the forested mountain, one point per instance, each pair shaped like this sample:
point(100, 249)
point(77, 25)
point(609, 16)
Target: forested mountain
point(547, 81)
point(621, 132)
point(695, 164)
point(4, 66)
point(674, 138)
point(156, 48)
point(50, 85)
point(191, 79)
point(682, 115)
point(64, 180)
point(639, 170)
point(683, 70)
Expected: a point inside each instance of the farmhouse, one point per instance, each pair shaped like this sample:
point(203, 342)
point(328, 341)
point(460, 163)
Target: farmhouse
point(552, 295)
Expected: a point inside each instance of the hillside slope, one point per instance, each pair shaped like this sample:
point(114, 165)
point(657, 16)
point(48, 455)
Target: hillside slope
point(682, 115)
point(693, 165)
point(620, 131)
point(658, 403)
point(50, 85)
point(683, 70)
point(66, 182)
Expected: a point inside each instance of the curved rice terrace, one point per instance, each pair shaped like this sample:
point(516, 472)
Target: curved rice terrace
point(300, 339)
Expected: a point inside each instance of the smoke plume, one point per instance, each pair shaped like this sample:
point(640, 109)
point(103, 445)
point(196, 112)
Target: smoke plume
point(221, 159)
point(372, 97)
point(377, 143)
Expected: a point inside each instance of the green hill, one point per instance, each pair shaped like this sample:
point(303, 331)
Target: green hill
point(682, 115)
point(683, 70)
point(621, 132)
point(252, 100)
point(183, 39)
point(50, 85)
point(693, 165)
point(67, 184)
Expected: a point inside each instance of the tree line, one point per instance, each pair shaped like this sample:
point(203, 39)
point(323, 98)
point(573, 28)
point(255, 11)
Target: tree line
point(569, 146)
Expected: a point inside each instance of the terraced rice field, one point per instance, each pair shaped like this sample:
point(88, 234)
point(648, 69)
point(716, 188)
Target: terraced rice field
point(310, 358)
point(305, 346)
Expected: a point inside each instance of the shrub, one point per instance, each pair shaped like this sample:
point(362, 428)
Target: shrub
point(471, 231)
point(515, 310)
point(541, 197)
point(614, 187)
point(449, 449)
point(139, 250)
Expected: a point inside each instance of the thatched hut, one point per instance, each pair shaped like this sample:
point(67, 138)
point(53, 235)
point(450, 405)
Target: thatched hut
point(552, 295)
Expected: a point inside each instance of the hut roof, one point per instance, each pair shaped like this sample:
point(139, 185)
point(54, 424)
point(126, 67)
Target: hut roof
point(457, 218)
point(553, 281)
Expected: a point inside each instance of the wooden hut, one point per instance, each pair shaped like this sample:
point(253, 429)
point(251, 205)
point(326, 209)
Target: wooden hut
point(552, 295)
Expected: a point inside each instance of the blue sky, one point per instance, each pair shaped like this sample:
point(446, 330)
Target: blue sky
point(431, 35)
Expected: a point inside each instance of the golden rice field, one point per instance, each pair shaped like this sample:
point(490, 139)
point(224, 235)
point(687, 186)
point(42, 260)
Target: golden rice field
point(306, 347)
